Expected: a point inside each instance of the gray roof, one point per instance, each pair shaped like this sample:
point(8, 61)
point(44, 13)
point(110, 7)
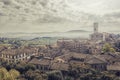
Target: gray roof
point(40, 61)
point(60, 66)
point(114, 67)
point(105, 57)
point(18, 51)
point(74, 55)
point(95, 60)
point(77, 63)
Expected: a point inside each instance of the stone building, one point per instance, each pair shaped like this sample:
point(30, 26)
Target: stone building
point(64, 67)
point(114, 67)
point(78, 46)
point(17, 55)
point(42, 63)
point(96, 36)
point(97, 63)
point(48, 64)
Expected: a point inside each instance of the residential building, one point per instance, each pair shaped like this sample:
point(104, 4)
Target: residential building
point(42, 63)
point(17, 55)
point(97, 63)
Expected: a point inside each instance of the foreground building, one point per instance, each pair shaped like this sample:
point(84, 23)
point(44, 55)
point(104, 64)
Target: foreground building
point(97, 63)
point(47, 64)
point(17, 55)
point(42, 63)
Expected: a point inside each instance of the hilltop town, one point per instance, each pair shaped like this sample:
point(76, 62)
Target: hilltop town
point(96, 58)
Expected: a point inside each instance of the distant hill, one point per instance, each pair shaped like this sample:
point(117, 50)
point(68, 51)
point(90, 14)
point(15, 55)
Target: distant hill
point(76, 31)
point(45, 38)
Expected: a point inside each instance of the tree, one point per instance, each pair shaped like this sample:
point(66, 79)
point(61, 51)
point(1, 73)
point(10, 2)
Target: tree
point(8, 75)
point(30, 66)
point(14, 74)
point(3, 73)
point(35, 75)
point(54, 76)
point(20, 67)
point(108, 48)
point(23, 67)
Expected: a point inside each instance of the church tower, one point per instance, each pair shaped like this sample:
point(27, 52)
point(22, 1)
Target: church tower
point(96, 36)
point(95, 27)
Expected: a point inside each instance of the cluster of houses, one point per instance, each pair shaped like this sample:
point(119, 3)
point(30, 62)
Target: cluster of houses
point(63, 62)
point(11, 55)
point(90, 46)
point(105, 62)
point(67, 53)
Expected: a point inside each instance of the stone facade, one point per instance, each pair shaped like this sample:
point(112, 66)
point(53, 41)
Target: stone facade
point(97, 63)
point(17, 55)
point(97, 37)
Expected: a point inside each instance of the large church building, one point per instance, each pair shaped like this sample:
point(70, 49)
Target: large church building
point(96, 36)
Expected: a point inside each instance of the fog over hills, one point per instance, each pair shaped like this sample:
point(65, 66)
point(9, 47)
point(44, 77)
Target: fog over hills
point(49, 15)
point(77, 31)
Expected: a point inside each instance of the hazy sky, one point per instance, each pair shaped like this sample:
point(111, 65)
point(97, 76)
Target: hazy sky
point(97, 6)
point(58, 15)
